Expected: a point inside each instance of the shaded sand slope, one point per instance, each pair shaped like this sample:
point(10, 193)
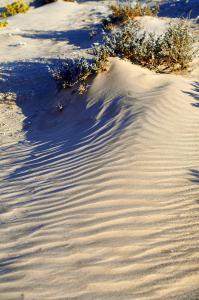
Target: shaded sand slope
point(100, 201)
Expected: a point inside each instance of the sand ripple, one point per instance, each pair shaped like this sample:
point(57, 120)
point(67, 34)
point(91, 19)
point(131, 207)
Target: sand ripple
point(101, 202)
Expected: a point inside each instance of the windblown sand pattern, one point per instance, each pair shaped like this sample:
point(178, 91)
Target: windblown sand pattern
point(101, 201)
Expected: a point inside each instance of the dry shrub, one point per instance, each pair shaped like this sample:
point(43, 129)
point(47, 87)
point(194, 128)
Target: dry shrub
point(171, 51)
point(74, 73)
point(125, 11)
point(17, 7)
point(177, 46)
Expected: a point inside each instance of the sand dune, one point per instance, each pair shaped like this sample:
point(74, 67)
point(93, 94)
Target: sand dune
point(98, 201)
point(101, 200)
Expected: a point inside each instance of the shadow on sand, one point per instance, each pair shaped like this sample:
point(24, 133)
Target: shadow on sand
point(194, 94)
point(179, 9)
point(195, 179)
point(195, 176)
point(76, 128)
point(78, 37)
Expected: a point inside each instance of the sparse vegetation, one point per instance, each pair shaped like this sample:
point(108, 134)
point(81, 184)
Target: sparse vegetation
point(171, 51)
point(14, 8)
point(74, 72)
point(177, 46)
point(123, 12)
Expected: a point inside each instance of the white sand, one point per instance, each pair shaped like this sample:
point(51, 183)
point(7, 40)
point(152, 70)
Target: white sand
point(99, 201)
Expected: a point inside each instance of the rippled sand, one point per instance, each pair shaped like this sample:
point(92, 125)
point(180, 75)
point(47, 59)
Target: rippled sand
point(100, 201)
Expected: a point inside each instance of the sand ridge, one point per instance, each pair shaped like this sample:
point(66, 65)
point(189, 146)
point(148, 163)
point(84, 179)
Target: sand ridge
point(103, 204)
point(99, 201)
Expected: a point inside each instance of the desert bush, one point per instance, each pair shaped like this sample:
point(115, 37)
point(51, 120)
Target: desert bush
point(73, 72)
point(122, 12)
point(172, 51)
point(177, 46)
point(17, 7)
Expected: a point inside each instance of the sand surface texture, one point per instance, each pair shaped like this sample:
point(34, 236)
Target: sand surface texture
point(99, 201)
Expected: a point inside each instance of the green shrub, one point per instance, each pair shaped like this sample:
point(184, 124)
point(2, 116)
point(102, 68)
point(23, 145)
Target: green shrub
point(17, 7)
